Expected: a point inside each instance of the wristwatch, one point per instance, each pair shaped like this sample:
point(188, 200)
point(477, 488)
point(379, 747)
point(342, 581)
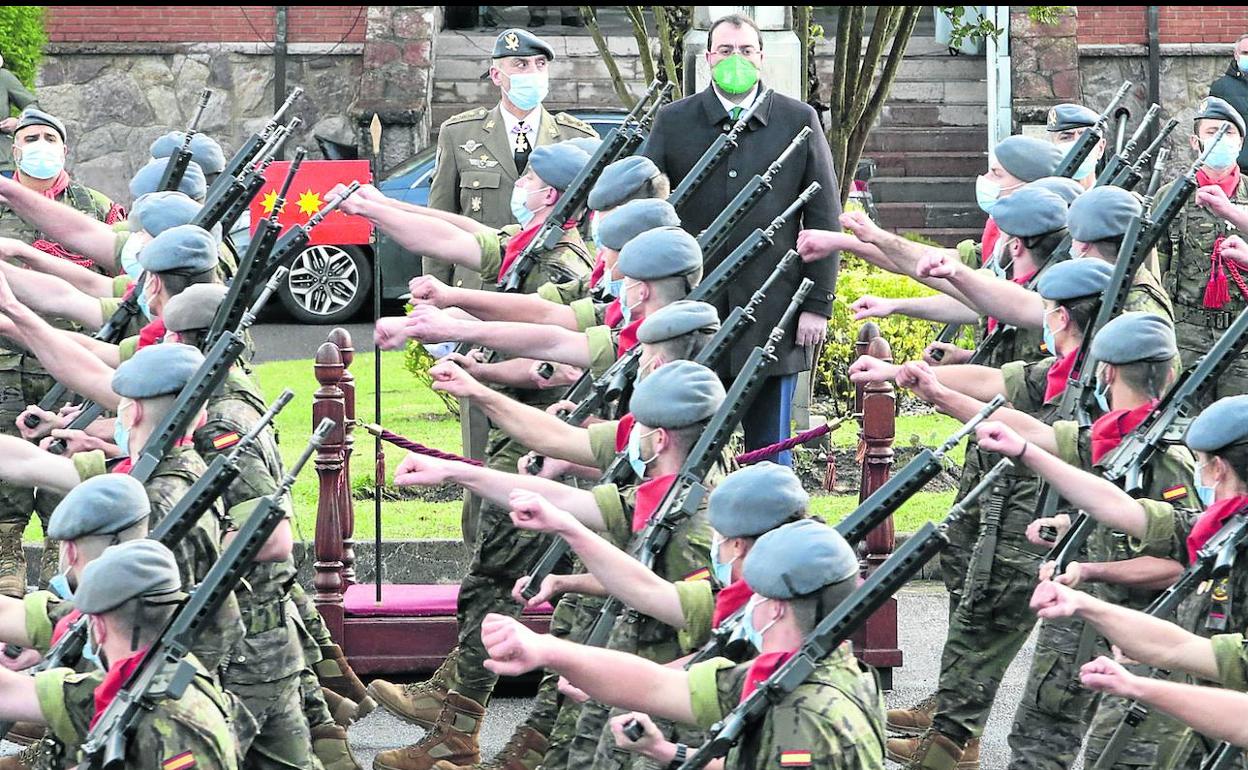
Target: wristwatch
point(682, 751)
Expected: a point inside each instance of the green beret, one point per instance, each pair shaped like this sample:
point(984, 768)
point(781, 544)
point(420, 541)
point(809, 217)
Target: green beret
point(139, 568)
point(633, 218)
point(147, 180)
point(681, 317)
point(1223, 423)
point(521, 42)
point(1133, 337)
point(1028, 158)
point(205, 151)
point(157, 370)
point(1030, 211)
point(1213, 108)
point(183, 250)
point(557, 164)
point(101, 505)
point(756, 499)
point(620, 181)
point(1065, 117)
point(799, 559)
point(1074, 278)
point(1063, 187)
point(664, 252)
point(1102, 213)
point(194, 308)
point(677, 395)
point(33, 116)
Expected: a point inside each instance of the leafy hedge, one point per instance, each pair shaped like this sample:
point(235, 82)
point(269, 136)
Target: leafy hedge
point(22, 38)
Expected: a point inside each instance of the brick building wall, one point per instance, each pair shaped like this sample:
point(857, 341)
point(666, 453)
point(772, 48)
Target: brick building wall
point(1127, 24)
point(203, 24)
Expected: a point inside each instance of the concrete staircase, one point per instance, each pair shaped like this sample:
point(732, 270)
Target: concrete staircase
point(930, 143)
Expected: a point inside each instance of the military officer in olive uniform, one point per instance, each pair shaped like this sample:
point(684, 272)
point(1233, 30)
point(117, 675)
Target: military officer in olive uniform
point(13, 93)
point(1066, 124)
point(481, 153)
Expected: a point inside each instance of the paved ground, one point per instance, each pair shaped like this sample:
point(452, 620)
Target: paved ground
point(281, 340)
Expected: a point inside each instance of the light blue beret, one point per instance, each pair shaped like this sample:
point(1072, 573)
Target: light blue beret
point(799, 559)
point(586, 144)
point(756, 499)
point(1030, 211)
point(1065, 117)
point(1213, 108)
point(620, 181)
point(33, 116)
point(139, 568)
point(663, 252)
point(633, 218)
point(185, 250)
point(1223, 423)
point(1028, 158)
point(101, 505)
point(194, 308)
point(158, 211)
point(1133, 337)
point(678, 319)
point(557, 164)
point(1102, 213)
point(157, 370)
point(677, 395)
point(1074, 278)
point(1064, 187)
point(205, 152)
point(147, 180)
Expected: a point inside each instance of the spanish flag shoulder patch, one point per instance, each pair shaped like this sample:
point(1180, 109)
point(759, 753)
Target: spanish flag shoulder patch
point(701, 574)
point(795, 759)
point(183, 761)
point(1176, 492)
point(226, 440)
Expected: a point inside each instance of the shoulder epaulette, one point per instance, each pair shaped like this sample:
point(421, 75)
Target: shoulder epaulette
point(476, 113)
point(565, 119)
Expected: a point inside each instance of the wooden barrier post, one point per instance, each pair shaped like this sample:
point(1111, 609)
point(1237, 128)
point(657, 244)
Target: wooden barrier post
point(342, 339)
point(327, 578)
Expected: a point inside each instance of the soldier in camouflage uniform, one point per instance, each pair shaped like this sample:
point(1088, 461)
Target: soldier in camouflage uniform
point(129, 593)
point(40, 149)
point(13, 93)
point(834, 719)
point(1206, 287)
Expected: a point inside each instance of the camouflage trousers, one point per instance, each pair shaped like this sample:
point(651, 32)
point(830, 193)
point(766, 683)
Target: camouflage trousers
point(1194, 340)
point(22, 382)
point(575, 613)
point(1156, 741)
point(284, 740)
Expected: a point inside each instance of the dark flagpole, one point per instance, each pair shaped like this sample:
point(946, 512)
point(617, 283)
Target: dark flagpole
point(379, 454)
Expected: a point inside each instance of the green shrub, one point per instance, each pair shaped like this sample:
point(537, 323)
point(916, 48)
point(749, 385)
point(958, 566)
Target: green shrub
point(22, 39)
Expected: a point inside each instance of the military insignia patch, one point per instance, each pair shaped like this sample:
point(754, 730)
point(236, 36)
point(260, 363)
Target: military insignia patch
point(1220, 594)
point(470, 146)
point(183, 761)
point(1174, 493)
point(1052, 122)
point(795, 759)
point(701, 574)
point(1204, 587)
point(226, 440)
point(476, 204)
point(511, 41)
point(482, 162)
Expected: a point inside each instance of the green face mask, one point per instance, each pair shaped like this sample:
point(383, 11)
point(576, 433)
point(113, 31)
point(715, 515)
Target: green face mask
point(735, 75)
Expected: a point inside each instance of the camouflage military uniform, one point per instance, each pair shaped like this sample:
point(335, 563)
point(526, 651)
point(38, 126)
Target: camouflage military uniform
point(1231, 654)
point(24, 381)
point(833, 720)
point(1055, 711)
point(13, 93)
point(264, 669)
point(198, 730)
point(1185, 262)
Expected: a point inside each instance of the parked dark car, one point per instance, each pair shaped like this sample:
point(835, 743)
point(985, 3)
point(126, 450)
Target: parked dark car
point(348, 270)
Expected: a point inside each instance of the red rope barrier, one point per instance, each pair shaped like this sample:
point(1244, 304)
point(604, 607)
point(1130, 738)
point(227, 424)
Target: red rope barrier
point(749, 458)
point(420, 449)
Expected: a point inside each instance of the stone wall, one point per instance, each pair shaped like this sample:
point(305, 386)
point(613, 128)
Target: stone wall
point(1044, 60)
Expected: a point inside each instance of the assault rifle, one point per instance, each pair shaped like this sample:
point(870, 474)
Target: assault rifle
point(1121, 160)
point(164, 671)
point(230, 195)
point(175, 166)
point(251, 148)
point(947, 335)
point(296, 238)
point(715, 154)
point(835, 628)
point(1084, 145)
point(1132, 175)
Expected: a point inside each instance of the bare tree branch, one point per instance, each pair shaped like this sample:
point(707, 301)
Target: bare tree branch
point(836, 99)
point(637, 16)
point(617, 81)
point(667, 48)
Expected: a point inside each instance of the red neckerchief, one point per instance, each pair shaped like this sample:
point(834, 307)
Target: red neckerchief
point(1227, 183)
point(152, 334)
point(1059, 374)
point(622, 429)
point(613, 316)
point(649, 495)
point(628, 338)
point(1021, 281)
point(63, 625)
point(124, 465)
point(988, 241)
point(763, 666)
point(115, 214)
point(118, 674)
point(731, 598)
point(1210, 522)
point(58, 188)
point(1109, 431)
point(515, 245)
point(595, 275)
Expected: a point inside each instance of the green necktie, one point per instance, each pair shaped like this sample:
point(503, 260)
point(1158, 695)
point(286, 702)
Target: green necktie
point(735, 113)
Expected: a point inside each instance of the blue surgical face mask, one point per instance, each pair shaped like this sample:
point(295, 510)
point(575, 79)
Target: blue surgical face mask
point(1205, 493)
point(41, 160)
point(986, 193)
point(519, 201)
point(527, 91)
point(130, 255)
point(1225, 153)
point(59, 585)
point(626, 309)
point(751, 632)
point(593, 234)
point(721, 569)
point(1087, 168)
point(1242, 62)
point(1050, 340)
point(145, 303)
point(121, 434)
point(634, 452)
point(1102, 394)
point(616, 289)
point(997, 263)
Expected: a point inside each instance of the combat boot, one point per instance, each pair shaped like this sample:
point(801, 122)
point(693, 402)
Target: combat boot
point(912, 721)
point(12, 561)
point(344, 710)
point(453, 739)
point(933, 751)
point(25, 733)
point(26, 759)
point(418, 702)
point(524, 751)
point(329, 744)
point(335, 672)
point(50, 563)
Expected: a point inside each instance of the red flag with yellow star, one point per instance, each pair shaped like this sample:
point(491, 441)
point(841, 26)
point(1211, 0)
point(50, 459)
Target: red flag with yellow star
point(307, 196)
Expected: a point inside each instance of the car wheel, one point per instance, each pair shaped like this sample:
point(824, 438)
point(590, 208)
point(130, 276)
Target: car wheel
point(327, 284)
